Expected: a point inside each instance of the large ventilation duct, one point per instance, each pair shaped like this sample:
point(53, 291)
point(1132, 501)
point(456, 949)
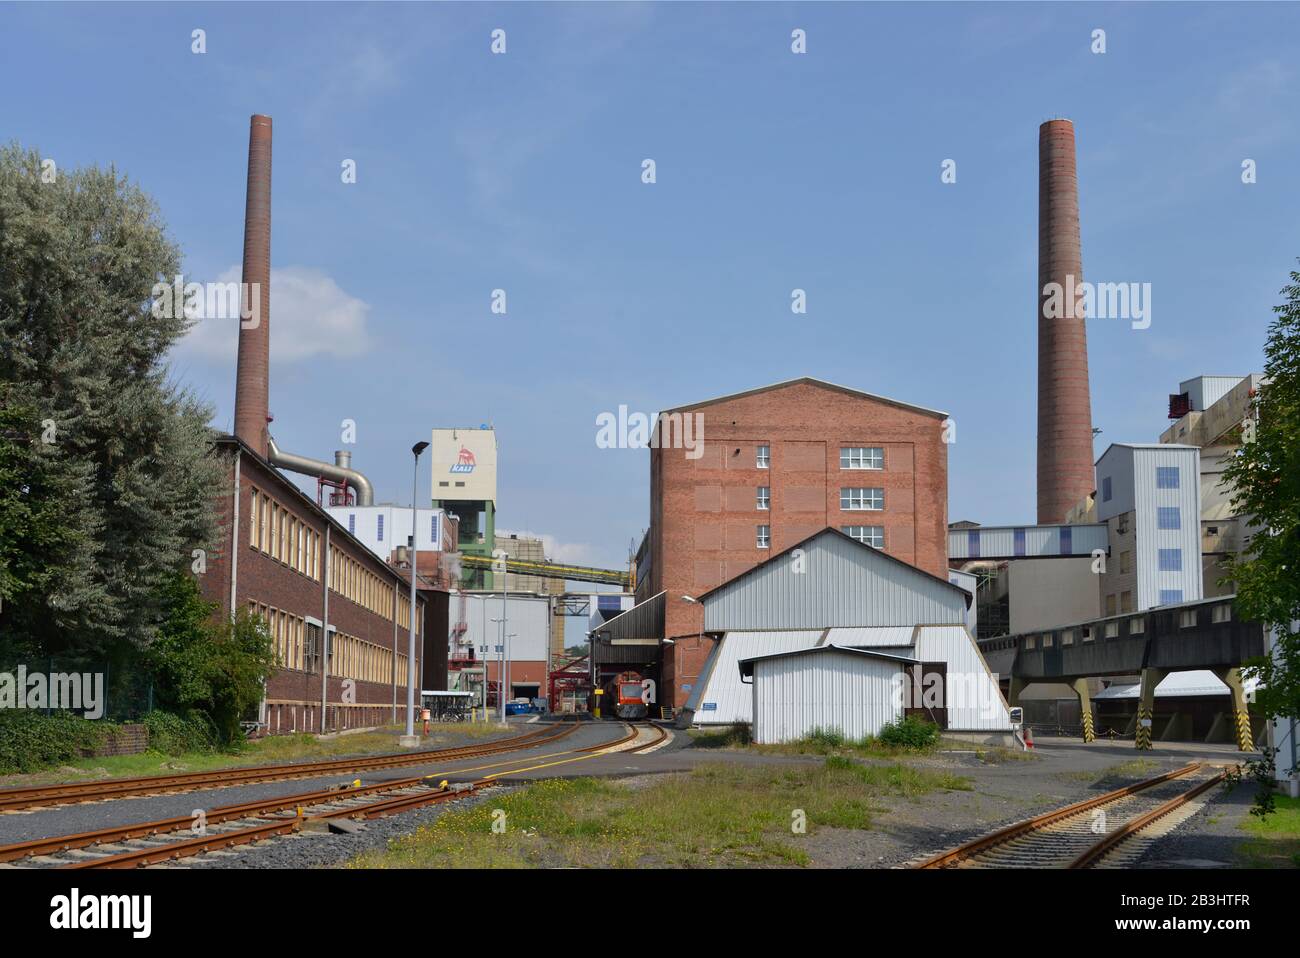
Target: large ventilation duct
point(251, 399)
point(339, 471)
point(1065, 464)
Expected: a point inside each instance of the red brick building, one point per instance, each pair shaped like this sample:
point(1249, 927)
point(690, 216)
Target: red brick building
point(776, 465)
point(279, 550)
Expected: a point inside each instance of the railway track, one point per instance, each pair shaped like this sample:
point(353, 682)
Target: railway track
point(45, 796)
point(1085, 834)
point(225, 827)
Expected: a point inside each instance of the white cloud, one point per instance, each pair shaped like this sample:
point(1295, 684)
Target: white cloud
point(310, 316)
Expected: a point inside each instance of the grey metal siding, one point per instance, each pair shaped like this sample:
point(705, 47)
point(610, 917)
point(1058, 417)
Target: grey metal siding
point(836, 582)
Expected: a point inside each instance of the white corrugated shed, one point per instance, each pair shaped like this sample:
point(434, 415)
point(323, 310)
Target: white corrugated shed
point(974, 701)
point(718, 697)
point(849, 691)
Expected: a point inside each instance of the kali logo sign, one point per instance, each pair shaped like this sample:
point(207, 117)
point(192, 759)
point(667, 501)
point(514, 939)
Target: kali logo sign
point(464, 462)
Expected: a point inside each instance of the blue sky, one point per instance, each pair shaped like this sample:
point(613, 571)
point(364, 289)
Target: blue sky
point(775, 171)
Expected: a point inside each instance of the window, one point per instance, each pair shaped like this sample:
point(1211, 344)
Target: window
point(1126, 562)
point(1110, 604)
point(1126, 602)
point(379, 523)
point(862, 457)
point(1112, 630)
point(763, 457)
point(861, 499)
point(868, 535)
point(275, 529)
point(1030, 643)
point(1047, 640)
point(1067, 637)
point(253, 528)
point(263, 541)
point(352, 523)
point(1221, 613)
point(1170, 560)
point(1137, 625)
point(764, 538)
point(1170, 596)
point(1105, 489)
point(433, 529)
point(1067, 541)
point(1187, 619)
point(1166, 477)
point(764, 497)
point(1168, 517)
point(1088, 633)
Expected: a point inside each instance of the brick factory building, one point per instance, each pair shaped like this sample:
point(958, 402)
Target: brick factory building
point(279, 549)
point(776, 465)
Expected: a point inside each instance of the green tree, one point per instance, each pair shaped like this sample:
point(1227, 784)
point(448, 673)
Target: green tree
point(1265, 478)
point(106, 464)
point(200, 663)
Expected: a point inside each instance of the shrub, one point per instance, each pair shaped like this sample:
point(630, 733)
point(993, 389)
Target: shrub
point(910, 732)
point(174, 734)
point(825, 739)
point(33, 740)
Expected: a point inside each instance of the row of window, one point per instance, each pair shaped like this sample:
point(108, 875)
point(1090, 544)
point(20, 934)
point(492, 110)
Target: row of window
point(851, 457)
point(281, 535)
point(297, 646)
point(851, 500)
point(1187, 619)
point(870, 535)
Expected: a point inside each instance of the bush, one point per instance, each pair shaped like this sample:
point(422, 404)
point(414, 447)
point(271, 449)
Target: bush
point(825, 739)
point(910, 732)
point(33, 740)
point(174, 734)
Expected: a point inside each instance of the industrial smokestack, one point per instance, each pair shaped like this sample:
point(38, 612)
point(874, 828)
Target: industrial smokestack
point(1065, 465)
point(251, 390)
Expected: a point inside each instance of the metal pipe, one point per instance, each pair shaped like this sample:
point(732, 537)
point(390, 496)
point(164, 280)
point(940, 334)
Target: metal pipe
point(365, 492)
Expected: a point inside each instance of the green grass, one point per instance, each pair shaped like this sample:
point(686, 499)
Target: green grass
point(1136, 768)
point(266, 751)
point(718, 815)
point(818, 742)
point(1275, 839)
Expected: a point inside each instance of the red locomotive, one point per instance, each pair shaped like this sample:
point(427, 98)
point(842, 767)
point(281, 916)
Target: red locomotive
point(625, 696)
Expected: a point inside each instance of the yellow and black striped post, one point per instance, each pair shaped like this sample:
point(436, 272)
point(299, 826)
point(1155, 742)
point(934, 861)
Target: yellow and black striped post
point(1143, 736)
point(1245, 740)
point(1147, 706)
point(1240, 713)
point(1085, 708)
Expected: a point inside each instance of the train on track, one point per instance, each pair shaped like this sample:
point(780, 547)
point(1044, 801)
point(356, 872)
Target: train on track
point(625, 696)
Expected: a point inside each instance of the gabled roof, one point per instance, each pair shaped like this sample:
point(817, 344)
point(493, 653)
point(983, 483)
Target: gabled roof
point(747, 665)
point(831, 530)
point(810, 381)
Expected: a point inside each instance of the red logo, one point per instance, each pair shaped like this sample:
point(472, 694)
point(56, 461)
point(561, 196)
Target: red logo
point(464, 462)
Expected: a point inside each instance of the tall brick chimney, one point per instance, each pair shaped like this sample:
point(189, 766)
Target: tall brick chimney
point(251, 399)
point(1065, 465)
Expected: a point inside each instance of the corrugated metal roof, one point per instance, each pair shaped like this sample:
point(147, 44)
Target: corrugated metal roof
point(719, 683)
point(1191, 684)
point(833, 580)
point(746, 666)
point(874, 637)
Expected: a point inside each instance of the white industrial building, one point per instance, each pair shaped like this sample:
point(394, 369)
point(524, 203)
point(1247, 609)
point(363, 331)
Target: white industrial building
point(857, 692)
point(832, 591)
point(385, 527)
point(1149, 495)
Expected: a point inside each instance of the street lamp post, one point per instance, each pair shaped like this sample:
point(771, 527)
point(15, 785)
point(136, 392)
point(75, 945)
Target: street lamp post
point(410, 739)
